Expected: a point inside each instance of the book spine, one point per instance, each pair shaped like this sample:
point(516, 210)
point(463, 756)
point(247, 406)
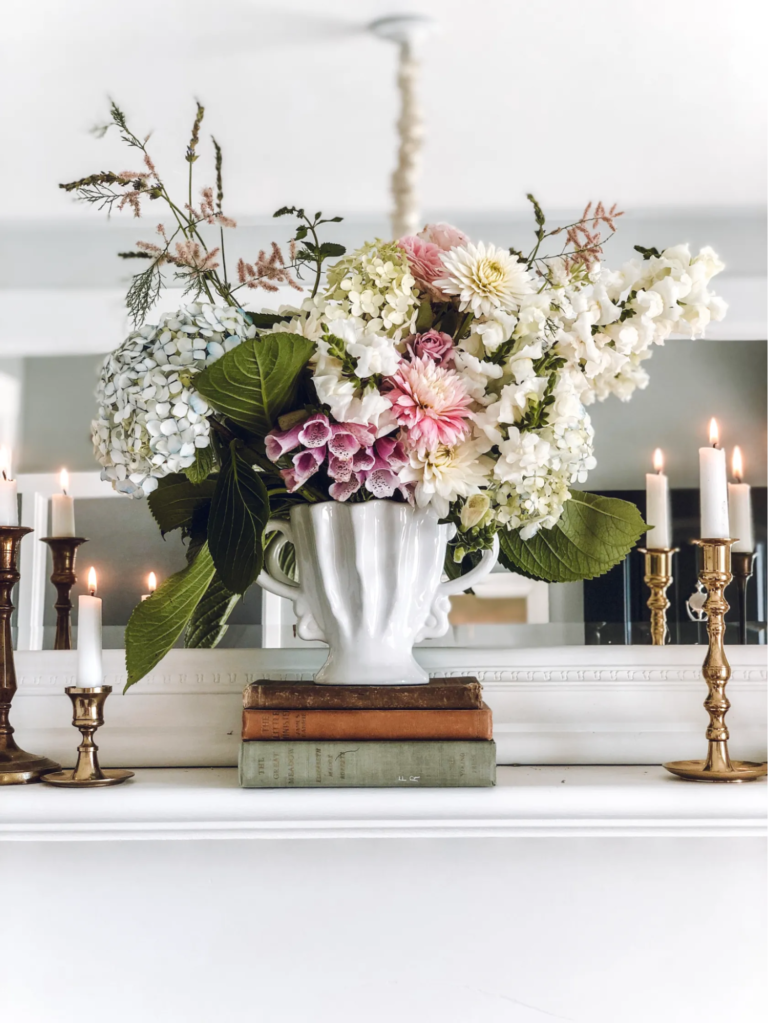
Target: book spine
point(456, 694)
point(461, 764)
point(367, 724)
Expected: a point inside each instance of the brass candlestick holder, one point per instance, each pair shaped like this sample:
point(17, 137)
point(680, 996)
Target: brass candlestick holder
point(16, 765)
point(715, 574)
point(743, 567)
point(63, 554)
point(87, 716)
point(658, 577)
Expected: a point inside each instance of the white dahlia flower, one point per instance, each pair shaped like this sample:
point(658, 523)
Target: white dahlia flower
point(151, 421)
point(485, 279)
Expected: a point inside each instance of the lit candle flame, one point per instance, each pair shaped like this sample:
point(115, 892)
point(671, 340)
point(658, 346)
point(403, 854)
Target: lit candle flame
point(152, 582)
point(92, 581)
point(714, 433)
point(658, 460)
point(738, 465)
point(5, 462)
point(64, 480)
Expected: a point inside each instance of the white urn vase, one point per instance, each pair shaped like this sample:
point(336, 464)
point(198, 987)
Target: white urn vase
point(369, 585)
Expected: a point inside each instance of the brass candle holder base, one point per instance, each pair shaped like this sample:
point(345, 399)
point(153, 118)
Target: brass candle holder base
point(743, 567)
point(658, 577)
point(87, 716)
point(715, 574)
point(17, 767)
point(63, 554)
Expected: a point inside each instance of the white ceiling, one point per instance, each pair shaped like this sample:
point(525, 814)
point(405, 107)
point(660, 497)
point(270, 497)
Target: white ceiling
point(654, 104)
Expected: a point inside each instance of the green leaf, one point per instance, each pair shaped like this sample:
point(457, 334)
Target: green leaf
point(332, 249)
point(202, 467)
point(425, 317)
point(593, 534)
point(207, 626)
point(157, 623)
point(239, 513)
point(255, 382)
point(264, 321)
point(177, 500)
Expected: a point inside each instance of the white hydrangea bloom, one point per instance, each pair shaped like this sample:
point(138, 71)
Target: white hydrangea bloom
point(150, 420)
point(374, 284)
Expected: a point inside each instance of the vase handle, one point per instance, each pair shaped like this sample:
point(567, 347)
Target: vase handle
point(274, 580)
point(437, 623)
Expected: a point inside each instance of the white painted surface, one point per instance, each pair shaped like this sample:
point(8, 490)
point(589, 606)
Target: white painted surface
point(527, 802)
point(450, 930)
point(566, 705)
point(674, 101)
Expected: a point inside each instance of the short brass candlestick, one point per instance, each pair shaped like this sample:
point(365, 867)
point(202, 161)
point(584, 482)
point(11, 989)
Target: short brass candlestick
point(658, 577)
point(715, 574)
point(63, 554)
point(87, 715)
point(16, 765)
point(743, 567)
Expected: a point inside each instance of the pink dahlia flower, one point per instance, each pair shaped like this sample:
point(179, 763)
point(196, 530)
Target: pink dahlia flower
point(434, 344)
point(443, 236)
point(424, 259)
point(430, 402)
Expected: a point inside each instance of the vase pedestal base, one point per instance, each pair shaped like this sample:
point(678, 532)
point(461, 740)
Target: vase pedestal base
point(696, 770)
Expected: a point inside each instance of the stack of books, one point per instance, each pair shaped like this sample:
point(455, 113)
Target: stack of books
point(302, 735)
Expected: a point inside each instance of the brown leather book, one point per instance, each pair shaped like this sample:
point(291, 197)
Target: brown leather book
point(367, 724)
point(438, 694)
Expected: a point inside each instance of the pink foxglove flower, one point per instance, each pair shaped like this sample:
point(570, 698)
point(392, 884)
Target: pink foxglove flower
point(433, 343)
point(305, 464)
point(315, 431)
point(390, 454)
point(364, 460)
point(340, 469)
point(444, 236)
point(280, 442)
point(342, 491)
point(431, 403)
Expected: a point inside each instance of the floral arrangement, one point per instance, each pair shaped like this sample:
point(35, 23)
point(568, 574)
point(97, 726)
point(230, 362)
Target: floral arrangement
point(433, 369)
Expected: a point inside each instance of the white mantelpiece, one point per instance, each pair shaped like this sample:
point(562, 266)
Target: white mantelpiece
point(565, 705)
point(527, 802)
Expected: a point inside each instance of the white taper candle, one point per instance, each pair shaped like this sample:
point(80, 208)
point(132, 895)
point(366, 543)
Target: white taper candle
point(657, 505)
point(713, 489)
point(90, 672)
point(740, 508)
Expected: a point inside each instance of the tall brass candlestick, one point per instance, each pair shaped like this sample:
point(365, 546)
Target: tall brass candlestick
point(16, 765)
point(63, 554)
point(743, 567)
point(658, 577)
point(715, 574)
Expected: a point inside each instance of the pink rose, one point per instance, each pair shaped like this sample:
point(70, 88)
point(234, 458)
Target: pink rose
point(434, 344)
point(425, 260)
point(443, 236)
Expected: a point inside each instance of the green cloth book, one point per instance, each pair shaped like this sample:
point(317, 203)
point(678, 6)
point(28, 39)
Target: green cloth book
point(416, 764)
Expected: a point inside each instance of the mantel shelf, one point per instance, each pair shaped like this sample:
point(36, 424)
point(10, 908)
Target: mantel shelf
point(538, 802)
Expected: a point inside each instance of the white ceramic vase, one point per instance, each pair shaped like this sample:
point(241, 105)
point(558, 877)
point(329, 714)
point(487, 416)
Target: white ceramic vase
point(369, 586)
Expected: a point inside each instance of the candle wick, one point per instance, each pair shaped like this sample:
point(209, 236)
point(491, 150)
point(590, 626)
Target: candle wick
point(4, 476)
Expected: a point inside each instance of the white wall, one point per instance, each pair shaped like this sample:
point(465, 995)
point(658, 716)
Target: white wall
point(455, 930)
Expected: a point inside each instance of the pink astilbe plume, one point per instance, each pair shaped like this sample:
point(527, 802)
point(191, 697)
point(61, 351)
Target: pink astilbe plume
point(430, 402)
point(585, 235)
point(267, 273)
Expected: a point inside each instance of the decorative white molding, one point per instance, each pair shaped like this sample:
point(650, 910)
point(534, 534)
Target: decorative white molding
point(543, 802)
point(566, 705)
